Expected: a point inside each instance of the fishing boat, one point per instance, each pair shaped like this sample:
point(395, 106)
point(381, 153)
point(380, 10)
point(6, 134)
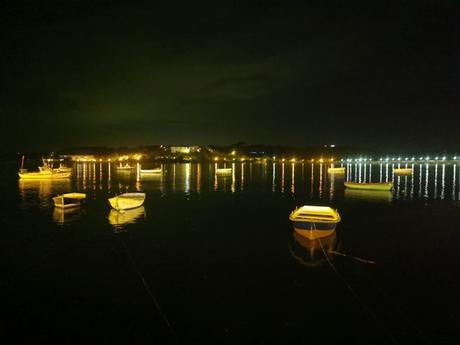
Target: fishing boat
point(69, 200)
point(224, 171)
point(44, 174)
point(336, 170)
point(148, 172)
point(125, 167)
point(127, 201)
point(402, 171)
point(314, 221)
point(369, 186)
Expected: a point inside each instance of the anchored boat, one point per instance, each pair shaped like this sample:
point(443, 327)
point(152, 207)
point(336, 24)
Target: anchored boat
point(314, 221)
point(403, 171)
point(369, 186)
point(69, 200)
point(224, 171)
point(148, 172)
point(44, 174)
point(127, 201)
point(336, 170)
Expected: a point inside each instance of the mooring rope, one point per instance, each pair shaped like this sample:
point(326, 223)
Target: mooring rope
point(354, 293)
point(149, 291)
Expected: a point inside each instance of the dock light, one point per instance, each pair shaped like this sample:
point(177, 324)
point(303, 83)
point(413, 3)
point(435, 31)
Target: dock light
point(436, 158)
point(216, 158)
point(312, 160)
point(332, 159)
point(421, 158)
point(293, 160)
point(321, 160)
point(428, 158)
point(341, 160)
point(443, 158)
point(360, 159)
point(370, 159)
point(399, 158)
point(365, 159)
point(455, 157)
point(242, 159)
point(233, 152)
point(392, 158)
point(110, 159)
point(274, 157)
point(283, 160)
point(387, 159)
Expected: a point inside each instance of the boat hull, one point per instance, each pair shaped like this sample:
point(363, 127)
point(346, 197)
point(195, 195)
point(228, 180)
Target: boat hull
point(44, 175)
point(336, 170)
point(313, 230)
point(127, 201)
point(369, 186)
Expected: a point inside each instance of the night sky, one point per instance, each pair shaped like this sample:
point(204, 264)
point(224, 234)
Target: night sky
point(373, 73)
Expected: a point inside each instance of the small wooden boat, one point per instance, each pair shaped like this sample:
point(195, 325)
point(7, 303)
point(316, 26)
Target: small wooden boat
point(336, 170)
point(148, 172)
point(127, 201)
point(69, 200)
point(224, 171)
point(369, 186)
point(314, 221)
point(44, 174)
point(402, 171)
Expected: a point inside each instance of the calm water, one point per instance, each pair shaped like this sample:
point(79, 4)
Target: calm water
point(214, 260)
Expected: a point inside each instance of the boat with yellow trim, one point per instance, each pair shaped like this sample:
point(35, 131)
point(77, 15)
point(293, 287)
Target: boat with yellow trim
point(69, 200)
point(314, 221)
point(403, 171)
point(370, 185)
point(44, 174)
point(224, 171)
point(336, 170)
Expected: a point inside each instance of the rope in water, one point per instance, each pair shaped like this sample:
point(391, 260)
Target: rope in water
point(149, 291)
point(353, 292)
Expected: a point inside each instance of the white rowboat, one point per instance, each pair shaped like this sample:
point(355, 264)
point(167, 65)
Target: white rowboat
point(127, 201)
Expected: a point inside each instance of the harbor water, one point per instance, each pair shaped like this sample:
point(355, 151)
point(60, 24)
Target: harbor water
point(213, 259)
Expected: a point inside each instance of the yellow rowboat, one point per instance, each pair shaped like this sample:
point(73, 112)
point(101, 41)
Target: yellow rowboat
point(44, 174)
point(127, 201)
point(69, 200)
point(314, 221)
point(224, 171)
point(403, 171)
point(336, 170)
point(369, 186)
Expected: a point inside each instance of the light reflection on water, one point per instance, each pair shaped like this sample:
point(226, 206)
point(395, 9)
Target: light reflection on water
point(120, 219)
point(426, 182)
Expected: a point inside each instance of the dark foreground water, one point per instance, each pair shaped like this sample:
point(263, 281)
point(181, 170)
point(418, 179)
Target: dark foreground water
point(214, 260)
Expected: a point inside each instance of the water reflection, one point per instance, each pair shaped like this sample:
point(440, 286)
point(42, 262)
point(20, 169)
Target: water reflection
point(120, 219)
point(368, 195)
point(427, 180)
point(313, 252)
point(62, 216)
point(39, 192)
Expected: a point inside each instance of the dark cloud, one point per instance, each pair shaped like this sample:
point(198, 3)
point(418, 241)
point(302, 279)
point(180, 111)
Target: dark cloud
point(206, 72)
